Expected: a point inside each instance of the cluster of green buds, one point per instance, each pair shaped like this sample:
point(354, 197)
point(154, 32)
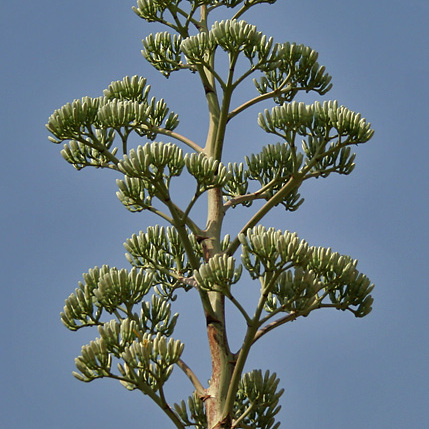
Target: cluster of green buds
point(156, 10)
point(265, 251)
point(208, 172)
point(161, 251)
point(91, 124)
point(163, 52)
point(218, 274)
point(271, 169)
point(156, 317)
point(147, 362)
point(257, 400)
point(133, 194)
point(299, 278)
point(287, 68)
point(71, 120)
point(155, 164)
point(328, 131)
point(149, 169)
point(81, 308)
point(295, 291)
point(95, 361)
point(139, 340)
point(238, 184)
point(111, 290)
point(297, 69)
point(118, 287)
point(256, 403)
point(192, 412)
point(315, 120)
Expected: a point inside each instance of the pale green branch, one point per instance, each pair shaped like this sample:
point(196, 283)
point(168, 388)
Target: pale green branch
point(192, 377)
point(259, 194)
point(178, 137)
point(252, 328)
point(214, 73)
point(190, 19)
point(243, 10)
point(181, 218)
point(241, 360)
point(239, 199)
point(160, 214)
point(247, 5)
point(168, 410)
point(320, 154)
point(245, 75)
point(239, 307)
point(282, 89)
point(102, 149)
point(267, 328)
point(173, 9)
point(191, 204)
point(293, 183)
point(237, 423)
point(252, 102)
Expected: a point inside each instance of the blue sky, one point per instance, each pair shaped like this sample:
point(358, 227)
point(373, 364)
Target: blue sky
point(338, 371)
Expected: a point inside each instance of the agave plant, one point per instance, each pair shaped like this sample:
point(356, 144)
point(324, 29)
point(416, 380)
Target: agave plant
point(132, 308)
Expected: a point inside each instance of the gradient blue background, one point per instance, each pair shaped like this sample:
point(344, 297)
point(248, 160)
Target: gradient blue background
point(338, 371)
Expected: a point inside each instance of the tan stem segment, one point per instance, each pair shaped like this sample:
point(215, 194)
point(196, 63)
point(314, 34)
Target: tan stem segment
point(223, 362)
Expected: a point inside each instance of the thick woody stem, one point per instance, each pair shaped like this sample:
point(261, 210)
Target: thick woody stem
point(222, 359)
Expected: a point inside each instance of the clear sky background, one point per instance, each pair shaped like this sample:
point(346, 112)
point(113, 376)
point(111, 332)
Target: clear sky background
point(338, 371)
